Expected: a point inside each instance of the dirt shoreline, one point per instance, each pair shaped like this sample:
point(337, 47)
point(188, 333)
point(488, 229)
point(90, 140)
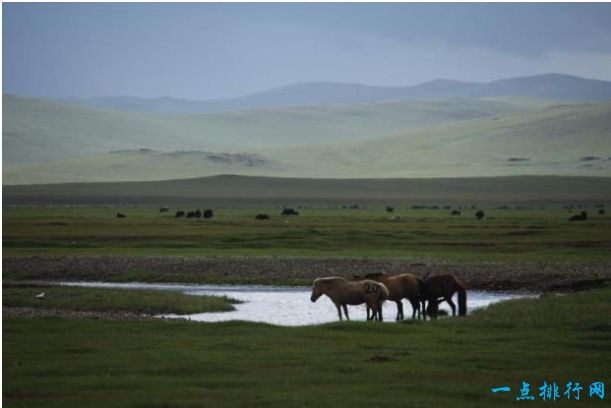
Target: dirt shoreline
point(498, 276)
point(30, 312)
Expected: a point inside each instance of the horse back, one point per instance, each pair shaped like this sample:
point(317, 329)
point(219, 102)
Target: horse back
point(365, 290)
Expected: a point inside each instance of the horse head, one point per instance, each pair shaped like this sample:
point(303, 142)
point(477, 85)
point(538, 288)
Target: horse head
point(316, 291)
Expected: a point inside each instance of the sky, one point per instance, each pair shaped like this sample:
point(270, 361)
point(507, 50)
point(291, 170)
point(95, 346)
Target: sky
point(214, 50)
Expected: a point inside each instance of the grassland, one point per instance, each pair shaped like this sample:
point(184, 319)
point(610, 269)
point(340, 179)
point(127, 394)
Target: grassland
point(55, 362)
point(48, 142)
point(110, 300)
point(508, 235)
point(551, 140)
point(240, 191)
point(38, 130)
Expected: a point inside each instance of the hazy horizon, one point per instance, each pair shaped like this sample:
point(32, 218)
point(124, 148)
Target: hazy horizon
point(209, 51)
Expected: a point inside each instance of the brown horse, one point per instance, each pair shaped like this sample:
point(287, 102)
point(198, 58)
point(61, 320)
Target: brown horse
point(342, 293)
point(400, 286)
point(434, 289)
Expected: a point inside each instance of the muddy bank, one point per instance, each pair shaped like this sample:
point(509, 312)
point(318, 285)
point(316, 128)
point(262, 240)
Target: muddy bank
point(272, 270)
point(80, 314)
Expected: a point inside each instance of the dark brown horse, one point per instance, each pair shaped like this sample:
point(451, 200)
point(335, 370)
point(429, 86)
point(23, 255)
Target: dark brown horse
point(435, 289)
point(405, 285)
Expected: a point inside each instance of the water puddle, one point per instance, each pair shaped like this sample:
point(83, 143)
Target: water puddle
point(286, 306)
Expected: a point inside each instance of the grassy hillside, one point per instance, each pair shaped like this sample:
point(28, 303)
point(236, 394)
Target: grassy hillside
point(36, 130)
point(554, 140)
point(560, 140)
point(238, 190)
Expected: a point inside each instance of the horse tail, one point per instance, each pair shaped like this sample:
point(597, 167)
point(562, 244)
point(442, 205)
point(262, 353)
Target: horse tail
point(384, 294)
point(462, 298)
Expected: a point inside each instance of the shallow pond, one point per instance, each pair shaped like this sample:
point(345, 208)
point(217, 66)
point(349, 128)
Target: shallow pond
point(286, 306)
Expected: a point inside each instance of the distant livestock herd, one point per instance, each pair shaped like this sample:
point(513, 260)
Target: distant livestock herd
point(207, 214)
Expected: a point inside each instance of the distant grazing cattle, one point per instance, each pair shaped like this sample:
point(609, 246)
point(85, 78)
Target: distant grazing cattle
point(119, 215)
point(179, 214)
point(583, 216)
point(208, 213)
point(289, 211)
point(480, 214)
point(390, 209)
point(262, 217)
point(455, 212)
point(191, 214)
point(164, 209)
point(601, 212)
point(198, 213)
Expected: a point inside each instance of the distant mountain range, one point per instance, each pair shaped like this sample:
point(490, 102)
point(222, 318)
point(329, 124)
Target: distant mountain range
point(547, 86)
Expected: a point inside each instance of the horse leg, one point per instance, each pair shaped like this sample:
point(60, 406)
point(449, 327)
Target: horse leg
point(432, 309)
point(380, 317)
point(346, 312)
point(339, 311)
point(399, 310)
point(415, 307)
point(374, 311)
point(452, 305)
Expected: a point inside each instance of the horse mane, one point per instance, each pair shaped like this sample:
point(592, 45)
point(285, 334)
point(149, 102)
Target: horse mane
point(329, 279)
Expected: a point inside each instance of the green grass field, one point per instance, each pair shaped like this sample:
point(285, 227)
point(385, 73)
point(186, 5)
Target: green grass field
point(55, 362)
point(241, 191)
point(111, 300)
point(511, 235)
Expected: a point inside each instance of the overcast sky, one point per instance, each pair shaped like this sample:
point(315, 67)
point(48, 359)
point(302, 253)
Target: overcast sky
point(203, 51)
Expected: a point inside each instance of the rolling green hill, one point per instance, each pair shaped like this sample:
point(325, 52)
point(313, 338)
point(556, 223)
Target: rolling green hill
point(554, 140)
point(559, 140)
point(240, 190)
point(36, 131)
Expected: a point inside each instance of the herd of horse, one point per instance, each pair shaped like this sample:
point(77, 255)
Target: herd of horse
point(424, 293)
